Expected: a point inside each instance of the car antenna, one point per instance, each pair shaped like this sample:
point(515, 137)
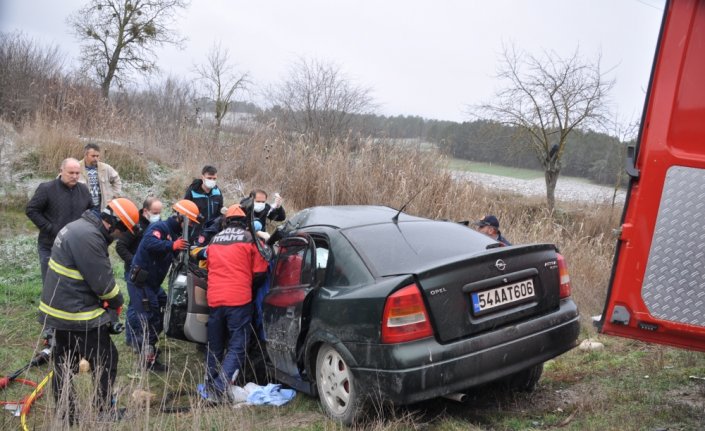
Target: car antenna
point(395, 219)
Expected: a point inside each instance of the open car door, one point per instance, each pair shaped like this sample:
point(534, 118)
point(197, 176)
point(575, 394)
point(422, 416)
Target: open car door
point(283, 307)
point(657, 288)
point(186, 311)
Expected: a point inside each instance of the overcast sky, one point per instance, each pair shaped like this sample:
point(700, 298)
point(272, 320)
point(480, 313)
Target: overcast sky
point(421, 57)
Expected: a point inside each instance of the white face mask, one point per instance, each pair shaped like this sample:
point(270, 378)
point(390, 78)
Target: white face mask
point(209, 183)
point(153, 218)
point(259, 206)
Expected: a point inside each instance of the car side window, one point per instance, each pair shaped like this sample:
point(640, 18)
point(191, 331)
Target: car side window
point(345, 267)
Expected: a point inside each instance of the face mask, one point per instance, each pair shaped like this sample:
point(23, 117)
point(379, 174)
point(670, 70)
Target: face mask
point(259, 206)
point(258, 226)
point(209, 183)
point(153, 218)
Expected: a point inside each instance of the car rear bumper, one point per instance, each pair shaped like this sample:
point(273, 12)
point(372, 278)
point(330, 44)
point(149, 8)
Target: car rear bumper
point(416, 371)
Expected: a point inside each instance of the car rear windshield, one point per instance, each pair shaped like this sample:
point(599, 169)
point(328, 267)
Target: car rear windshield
point(404, 248)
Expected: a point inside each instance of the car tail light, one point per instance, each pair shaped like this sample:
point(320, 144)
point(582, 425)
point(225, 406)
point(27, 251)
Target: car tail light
point(405, 317)
point(564, 290)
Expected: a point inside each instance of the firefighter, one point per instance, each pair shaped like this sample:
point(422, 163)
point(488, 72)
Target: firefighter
point(145, 314)
point(80, 300)
point(233, 262)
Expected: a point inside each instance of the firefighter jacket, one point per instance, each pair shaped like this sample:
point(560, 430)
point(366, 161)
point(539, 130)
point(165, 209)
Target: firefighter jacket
point(155, 252)
point(233, 260)
point(108, 180)
point(80, 278)
point(209, 204)
point(126, 247)
point(54, 205)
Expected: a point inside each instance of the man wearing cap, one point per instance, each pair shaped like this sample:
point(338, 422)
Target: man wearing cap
point(489, 225)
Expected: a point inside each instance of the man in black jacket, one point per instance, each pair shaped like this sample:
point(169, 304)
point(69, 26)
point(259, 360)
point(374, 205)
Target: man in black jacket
point(55, 204)
point(262, 211)
point(206, 195)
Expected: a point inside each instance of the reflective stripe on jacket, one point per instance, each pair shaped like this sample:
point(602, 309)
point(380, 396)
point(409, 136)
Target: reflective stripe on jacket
point(80, 278)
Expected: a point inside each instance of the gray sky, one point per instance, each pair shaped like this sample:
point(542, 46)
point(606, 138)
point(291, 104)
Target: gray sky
point(421, 57)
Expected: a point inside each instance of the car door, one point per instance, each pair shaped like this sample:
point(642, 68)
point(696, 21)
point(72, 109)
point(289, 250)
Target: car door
point(657, 288)
point(186, 311)
point(283, 307)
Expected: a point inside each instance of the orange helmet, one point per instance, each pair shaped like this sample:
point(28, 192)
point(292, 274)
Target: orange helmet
point(125, 211)
point(234, 211)
point(187, 208)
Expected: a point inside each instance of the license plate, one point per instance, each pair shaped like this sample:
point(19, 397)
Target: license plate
point(511, 293)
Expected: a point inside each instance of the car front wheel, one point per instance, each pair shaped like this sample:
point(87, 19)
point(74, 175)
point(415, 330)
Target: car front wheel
point(336, 386)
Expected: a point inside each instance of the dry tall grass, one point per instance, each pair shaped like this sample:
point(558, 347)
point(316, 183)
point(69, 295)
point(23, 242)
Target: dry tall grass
point(353, 171)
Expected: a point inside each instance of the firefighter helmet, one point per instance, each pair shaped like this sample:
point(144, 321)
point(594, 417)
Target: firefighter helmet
point(234, 211)
point(125, 211)
point(187, 208)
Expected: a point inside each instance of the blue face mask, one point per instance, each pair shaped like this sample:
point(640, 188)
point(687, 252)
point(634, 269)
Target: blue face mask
point(258, 226)
point(153, 218)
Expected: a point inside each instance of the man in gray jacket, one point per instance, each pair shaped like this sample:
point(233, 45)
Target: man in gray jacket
point(55, 204)
point(80, 300)
point(102, 180)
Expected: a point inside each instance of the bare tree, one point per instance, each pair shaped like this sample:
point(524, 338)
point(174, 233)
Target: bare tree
point(319, 101)
point(547, 97)
point(120, 36)
point(220, 81)
point(29, 75)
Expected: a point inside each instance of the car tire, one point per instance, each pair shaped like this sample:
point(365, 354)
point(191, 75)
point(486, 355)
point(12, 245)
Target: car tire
point(524, 380)
point(337, 390)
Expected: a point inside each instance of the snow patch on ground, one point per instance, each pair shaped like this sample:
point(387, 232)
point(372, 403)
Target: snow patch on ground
point(567, 189)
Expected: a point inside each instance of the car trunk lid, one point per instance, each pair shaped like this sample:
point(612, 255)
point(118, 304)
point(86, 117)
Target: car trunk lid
point(477, 293)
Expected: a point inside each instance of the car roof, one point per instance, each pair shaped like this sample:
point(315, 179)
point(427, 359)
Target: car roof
point(411, 245)
point(348, 216)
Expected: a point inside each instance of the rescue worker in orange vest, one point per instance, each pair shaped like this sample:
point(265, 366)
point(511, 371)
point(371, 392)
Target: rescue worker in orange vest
point(233, 262)
point(81, 301)
point(145, 314)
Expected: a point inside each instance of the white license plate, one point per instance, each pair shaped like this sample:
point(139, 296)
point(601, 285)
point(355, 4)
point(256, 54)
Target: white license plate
point(516, 292)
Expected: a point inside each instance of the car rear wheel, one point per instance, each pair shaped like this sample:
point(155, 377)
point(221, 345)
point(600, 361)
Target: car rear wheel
point(336, 386)
point(524, 380)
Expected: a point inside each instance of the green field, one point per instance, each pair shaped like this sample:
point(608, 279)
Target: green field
point(494, 169)
point(503, 171)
